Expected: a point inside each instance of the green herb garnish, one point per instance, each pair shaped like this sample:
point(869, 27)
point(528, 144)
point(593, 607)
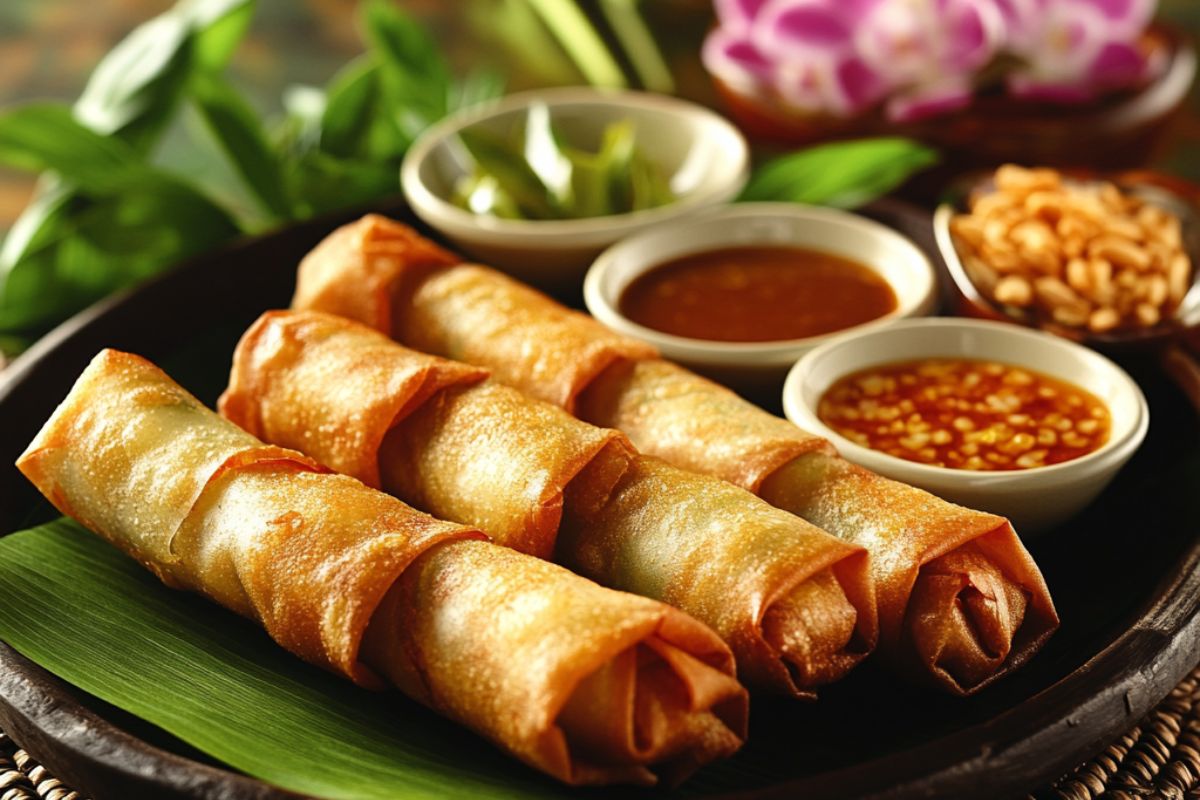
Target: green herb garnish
point(840, 174)
point(111, 209)
point(534, 174)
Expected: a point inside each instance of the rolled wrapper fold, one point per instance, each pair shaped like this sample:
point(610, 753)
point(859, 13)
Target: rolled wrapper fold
point(693, 423)
point(588, 684)
point(961, 639)
point(961, 601)
point(357, 270)
point(912, 535)
point(598, 686)
point(795, 604)
point(369, 263)
point(363, 391)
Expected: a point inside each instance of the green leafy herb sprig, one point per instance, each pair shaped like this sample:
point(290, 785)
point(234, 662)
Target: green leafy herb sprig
point(105, 215)
point(109, 213)
point(534, 173)
point(844, 174)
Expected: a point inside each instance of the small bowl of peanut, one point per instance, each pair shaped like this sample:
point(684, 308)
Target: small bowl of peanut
point(1106, 263)
point(989, 415)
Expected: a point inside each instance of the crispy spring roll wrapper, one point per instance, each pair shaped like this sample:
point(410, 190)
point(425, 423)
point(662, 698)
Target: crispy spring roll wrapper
point(604, 686)
point(961, 639)
point(960, 600)
point(334, 389)
point(585, 683)
point(367, 270)
point(794, 603)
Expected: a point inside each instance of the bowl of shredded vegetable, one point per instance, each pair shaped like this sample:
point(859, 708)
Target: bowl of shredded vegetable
point(540, 182)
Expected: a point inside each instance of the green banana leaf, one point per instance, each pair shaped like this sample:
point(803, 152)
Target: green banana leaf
point(95, 618)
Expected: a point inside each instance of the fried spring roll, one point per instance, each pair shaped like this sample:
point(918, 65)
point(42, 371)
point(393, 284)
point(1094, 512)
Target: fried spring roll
point(794, 603)
point(365, 271)
point(587, 684)
point(960, 599)
point(958, 619)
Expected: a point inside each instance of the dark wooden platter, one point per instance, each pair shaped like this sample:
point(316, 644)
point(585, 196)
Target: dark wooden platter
point(1125, 575)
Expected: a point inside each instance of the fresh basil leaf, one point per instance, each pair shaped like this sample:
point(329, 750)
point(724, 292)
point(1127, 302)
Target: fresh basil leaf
point(303, 106)
point(842, 174)
point(120, 221)
point(40, 224)
point(415, 77)
point(235, 126)
point(219, 26)
point(109, 243)
point(351, 108)
point(321, 182)
point(135, 90)
point(44, 136)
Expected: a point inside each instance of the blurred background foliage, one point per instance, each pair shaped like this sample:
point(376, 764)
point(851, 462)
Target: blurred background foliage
point(48, 47)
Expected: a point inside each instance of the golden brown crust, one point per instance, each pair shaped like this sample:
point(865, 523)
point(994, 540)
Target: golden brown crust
point(727, 558)
point(495, 639)
point(355, 271)
point(693, 423)
point(330, 388)
point(353, 399)
point(138, 428)
point(478, 315)
point(491, 456)
point(488, 455)
point(140, 461)
point(535, 606)
point(920, 574)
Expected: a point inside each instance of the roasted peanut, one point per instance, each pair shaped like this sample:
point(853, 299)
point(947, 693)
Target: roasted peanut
point(1014, 291)
point(1080, 254)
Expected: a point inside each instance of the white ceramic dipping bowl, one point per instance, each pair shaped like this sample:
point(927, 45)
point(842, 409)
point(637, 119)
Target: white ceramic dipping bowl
point(704, 155)
point(1034, 499)
point(754, 365)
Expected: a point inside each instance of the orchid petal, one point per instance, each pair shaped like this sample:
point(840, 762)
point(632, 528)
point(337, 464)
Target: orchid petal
point(738, 13)
point(1126, 16)
point(1118, 64)
point(812, 85)
point(971, 34)
point(735, 59)
point(784, 27)
point(861, 85)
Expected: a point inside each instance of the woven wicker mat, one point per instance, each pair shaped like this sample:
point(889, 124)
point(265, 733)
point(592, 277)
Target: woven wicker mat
point(1160, 758)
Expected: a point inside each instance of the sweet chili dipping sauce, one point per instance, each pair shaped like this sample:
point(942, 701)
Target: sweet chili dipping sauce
point(966, 414)
point(756, 294)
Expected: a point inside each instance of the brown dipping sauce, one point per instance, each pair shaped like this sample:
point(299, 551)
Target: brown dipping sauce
point(756, 294)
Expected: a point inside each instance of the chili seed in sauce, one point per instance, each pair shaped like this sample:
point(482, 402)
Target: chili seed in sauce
point(966, 414)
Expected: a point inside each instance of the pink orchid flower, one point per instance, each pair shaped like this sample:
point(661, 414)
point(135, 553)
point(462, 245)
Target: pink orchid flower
point(1074, 50)
point(920, 58)
point(800, 52)
point(931, 50)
